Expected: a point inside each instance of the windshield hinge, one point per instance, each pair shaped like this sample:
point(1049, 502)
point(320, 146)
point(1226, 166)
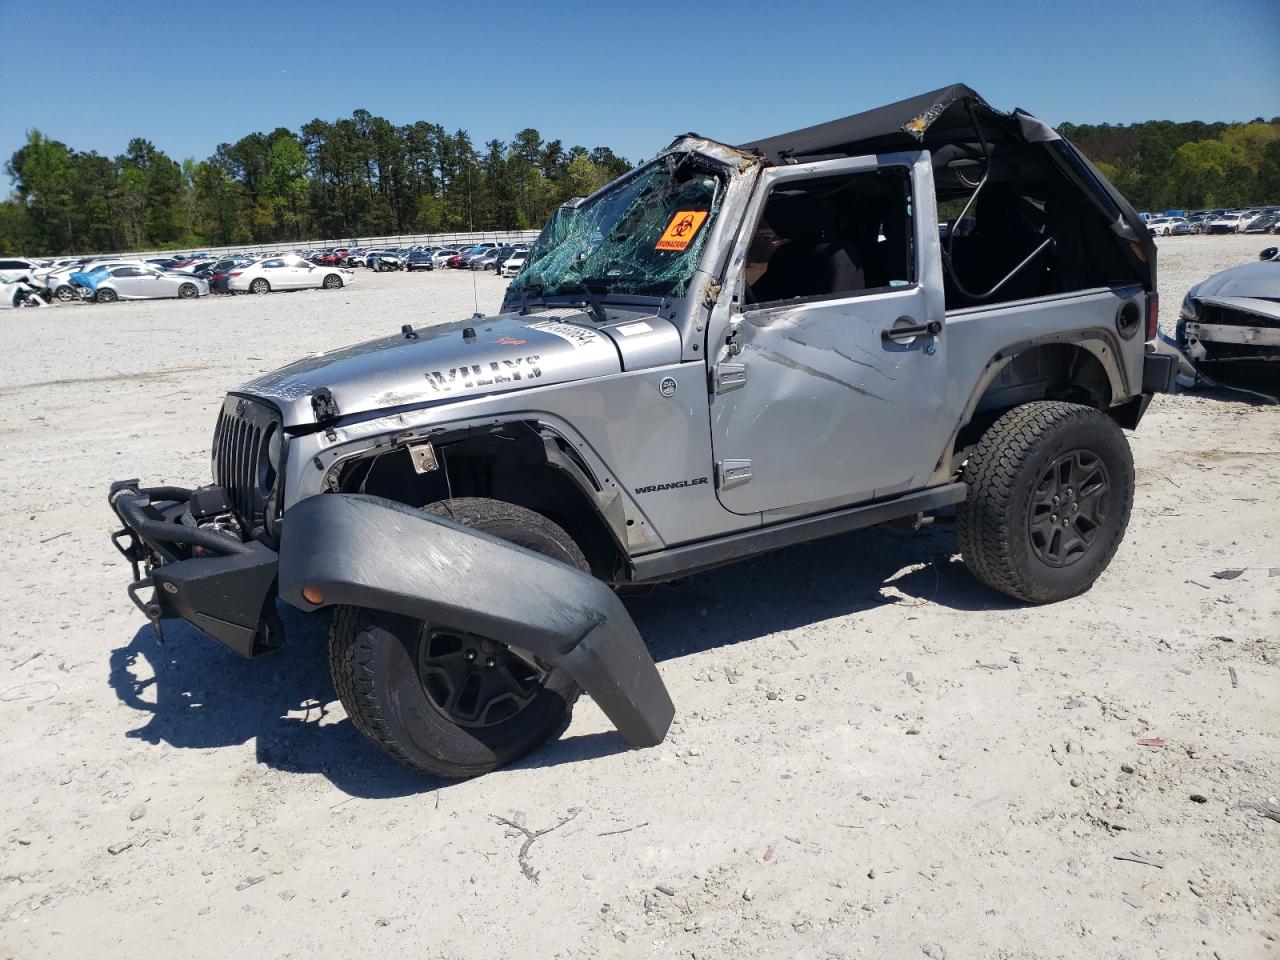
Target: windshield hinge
point(325, 409)
point(711, 293)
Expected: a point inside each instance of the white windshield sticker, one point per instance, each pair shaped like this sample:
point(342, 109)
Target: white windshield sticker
point(631, 329)
point(575, 335)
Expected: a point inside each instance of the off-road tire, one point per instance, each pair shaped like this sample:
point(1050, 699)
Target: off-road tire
point(332, 282)
point(1004, 472)
point(106, 296)
point(374, 656)
point(260, 285)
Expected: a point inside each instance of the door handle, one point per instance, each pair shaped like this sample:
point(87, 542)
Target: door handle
point(930, 329)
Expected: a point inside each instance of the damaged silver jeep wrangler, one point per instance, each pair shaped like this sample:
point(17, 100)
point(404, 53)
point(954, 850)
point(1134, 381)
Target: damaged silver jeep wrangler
point(728, 350)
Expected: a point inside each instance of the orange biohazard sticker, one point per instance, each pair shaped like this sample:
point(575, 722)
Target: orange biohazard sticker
point(681, 230)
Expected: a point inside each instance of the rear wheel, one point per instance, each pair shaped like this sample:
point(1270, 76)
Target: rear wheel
point(1050, 490)
point(66, 293)
point(188, 291)
point(332, 282)
point(260, 286)
point(446, 702)
point(106, 295)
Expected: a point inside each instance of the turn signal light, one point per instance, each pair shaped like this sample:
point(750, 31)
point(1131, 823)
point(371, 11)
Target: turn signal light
point(312, 595)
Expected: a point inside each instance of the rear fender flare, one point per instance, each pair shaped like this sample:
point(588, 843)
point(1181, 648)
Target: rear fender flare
point(1102, 345)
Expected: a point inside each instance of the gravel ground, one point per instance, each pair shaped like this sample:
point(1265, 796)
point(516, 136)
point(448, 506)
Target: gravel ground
point(873, 756)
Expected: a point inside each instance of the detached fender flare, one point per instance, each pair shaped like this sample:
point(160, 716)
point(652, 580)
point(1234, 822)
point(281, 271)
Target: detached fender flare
point(369, 552)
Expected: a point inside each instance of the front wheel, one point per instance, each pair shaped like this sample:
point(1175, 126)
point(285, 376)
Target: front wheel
point(332, 282)
point(1050, 490)
point(188, 291)
point(447, 702)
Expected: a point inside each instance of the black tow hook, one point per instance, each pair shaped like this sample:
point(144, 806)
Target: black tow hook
point(154, 613)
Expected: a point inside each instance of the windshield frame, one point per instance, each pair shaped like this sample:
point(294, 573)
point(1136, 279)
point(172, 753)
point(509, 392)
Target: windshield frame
point(530, 288)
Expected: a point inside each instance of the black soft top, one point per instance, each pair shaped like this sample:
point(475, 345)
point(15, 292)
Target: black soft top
point(956, 125)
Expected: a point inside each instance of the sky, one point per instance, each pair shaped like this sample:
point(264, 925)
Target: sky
point(190, 76)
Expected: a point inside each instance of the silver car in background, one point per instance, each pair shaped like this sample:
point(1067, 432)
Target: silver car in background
point(142, 282)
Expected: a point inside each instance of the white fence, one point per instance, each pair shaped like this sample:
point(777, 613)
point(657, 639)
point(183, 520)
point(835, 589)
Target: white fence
point(403, 240)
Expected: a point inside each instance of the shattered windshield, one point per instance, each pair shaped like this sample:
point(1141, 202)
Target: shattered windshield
point(644, 235)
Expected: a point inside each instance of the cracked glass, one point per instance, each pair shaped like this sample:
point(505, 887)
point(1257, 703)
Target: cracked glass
point(644, 235)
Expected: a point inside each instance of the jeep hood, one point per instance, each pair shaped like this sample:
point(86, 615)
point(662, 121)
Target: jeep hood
point(442, 364)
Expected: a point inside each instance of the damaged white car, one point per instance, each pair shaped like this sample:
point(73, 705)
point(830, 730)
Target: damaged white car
point(1234, 315)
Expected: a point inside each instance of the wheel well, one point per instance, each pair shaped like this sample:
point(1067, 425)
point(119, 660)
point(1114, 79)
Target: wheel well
point(1050, 371)
point(519, 462)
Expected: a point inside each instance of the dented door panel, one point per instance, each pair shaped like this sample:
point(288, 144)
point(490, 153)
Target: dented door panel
point(827, 409)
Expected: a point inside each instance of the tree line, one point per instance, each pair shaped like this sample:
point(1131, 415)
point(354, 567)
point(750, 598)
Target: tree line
point(357, 176)
point(1161, 165)
point(365, 176)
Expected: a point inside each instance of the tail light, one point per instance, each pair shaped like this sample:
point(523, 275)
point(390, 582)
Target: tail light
point(1153, 314)
point(235, 273)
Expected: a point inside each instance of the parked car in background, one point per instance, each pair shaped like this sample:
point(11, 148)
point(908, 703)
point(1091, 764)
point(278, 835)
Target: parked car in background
point(140, 282)
point(1158, 226)
point(18, 268)
point(475, 253)
point(489, 259)
point(1196, 222)
point(384, 260)
point(514, 263)
point(440, 258)
point(419, 260)
point(21, 293)
point(1181, 228)
point(220, 272)
point(1234, 315)
point(1264, 223)
point(1228, 222)
point(286, 273)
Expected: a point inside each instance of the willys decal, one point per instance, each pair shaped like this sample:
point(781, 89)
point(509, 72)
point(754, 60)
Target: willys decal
point(485, 375)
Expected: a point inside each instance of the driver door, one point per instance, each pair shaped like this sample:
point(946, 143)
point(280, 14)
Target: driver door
point(130, 282)
point(830, 387)
point(301, 275)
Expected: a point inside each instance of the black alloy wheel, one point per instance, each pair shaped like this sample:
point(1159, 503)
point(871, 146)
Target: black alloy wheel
point(1069, 506)
point(474, 681)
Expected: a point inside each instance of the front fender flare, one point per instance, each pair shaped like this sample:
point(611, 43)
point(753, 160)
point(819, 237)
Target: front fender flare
point(369, 552)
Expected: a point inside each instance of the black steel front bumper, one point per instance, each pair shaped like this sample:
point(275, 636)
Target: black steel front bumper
point(369, 552)
point(221, 585)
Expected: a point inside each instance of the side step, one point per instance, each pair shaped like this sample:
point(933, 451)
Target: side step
point(693, 557)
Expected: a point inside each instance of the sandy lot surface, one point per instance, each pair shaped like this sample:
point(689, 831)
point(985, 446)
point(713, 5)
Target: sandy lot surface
point(873, 755)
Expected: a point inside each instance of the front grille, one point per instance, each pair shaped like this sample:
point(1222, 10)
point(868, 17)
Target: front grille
point(243, 463)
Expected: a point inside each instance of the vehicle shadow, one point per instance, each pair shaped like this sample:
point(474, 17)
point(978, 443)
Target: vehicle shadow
point(195, 694)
